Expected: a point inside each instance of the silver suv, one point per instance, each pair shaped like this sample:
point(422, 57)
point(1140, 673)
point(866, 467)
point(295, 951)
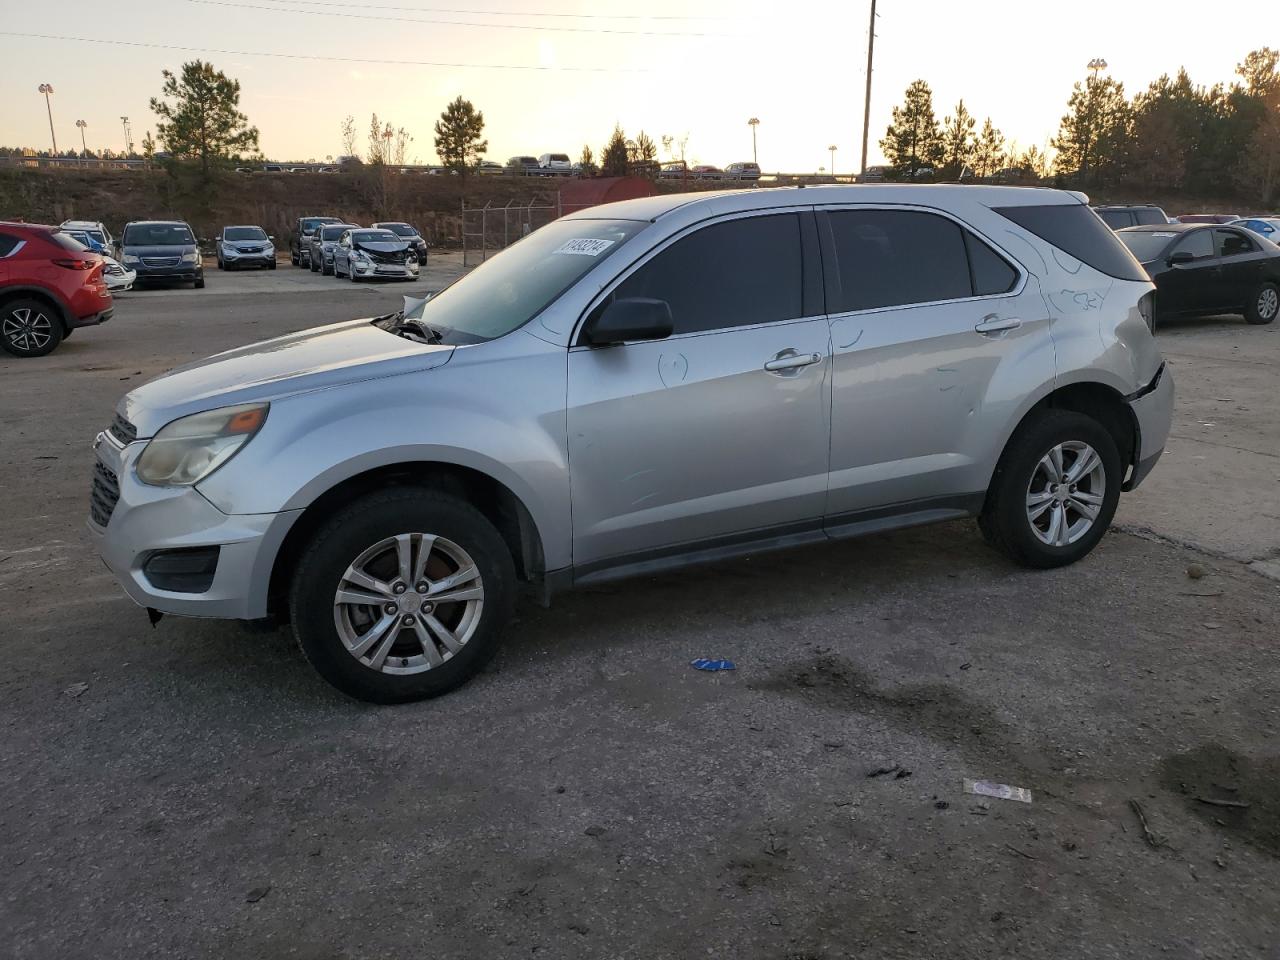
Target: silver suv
point(638, 387)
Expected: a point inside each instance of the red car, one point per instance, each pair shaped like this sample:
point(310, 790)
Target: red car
point(49, 285)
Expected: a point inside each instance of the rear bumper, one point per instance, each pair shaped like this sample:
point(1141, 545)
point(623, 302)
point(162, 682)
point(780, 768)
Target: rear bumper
point(92, 319)
point(1152, 416)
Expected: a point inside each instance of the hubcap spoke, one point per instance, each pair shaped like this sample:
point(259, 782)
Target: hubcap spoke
point(362, 579)
point(404, 557)
point(1055, 461)
point(429, 649)
point(465, 575)
point(361, 598)
point(1086, 510)
point(375, 633)
point(445, 635)
point(1086, 462)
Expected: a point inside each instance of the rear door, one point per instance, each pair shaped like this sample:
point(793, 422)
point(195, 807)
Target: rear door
point(935, 336)
point(720, 431)
point(1241, 260)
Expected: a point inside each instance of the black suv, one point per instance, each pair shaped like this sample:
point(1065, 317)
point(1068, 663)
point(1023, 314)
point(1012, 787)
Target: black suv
point(300, 239)
point(1137, 215)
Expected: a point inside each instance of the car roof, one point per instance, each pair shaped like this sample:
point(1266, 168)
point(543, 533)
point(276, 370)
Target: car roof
point(1129, 206)
point(730, 201)
point(37, 227)
point(158, 223)
point(242, 226)
point(82, 224)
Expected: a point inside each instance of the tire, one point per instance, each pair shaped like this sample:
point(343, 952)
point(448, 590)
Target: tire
point(295, 259)
point(1263, 306)
point(30, 328)
point(220, 266)
point(362, 536)
point(327, 270)
point(271, 265)
point(1006, 520)
point(198, 283)
point(311, 265)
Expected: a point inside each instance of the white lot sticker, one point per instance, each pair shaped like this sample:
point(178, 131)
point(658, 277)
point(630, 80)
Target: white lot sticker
point(1164, 234)
point(585, 247)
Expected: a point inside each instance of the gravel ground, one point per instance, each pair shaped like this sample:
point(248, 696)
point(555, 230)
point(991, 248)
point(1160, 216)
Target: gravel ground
point(195, 791)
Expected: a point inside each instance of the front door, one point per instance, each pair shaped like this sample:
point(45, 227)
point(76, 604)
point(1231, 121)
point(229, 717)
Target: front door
point(935, 337)
point(718, 433)
point(1194, 286)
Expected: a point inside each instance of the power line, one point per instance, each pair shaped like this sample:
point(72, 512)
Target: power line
point(452, 23)
point(311, 56)
point(501, 13)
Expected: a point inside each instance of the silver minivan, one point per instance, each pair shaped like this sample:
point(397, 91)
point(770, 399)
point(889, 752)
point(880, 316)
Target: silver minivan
point(638, 387)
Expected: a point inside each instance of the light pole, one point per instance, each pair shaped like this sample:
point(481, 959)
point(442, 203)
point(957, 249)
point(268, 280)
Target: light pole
point(753, 123)
point(84, 151)
point(866, 109)
point(46, 89)
point(832, 148)
point(128, 137)
point(1095, 65)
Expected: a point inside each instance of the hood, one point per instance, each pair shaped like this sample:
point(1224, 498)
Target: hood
point(383, 246)
point(246, 244)
point(309, 360)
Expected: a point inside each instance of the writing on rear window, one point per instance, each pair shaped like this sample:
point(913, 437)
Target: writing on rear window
point(585, 247)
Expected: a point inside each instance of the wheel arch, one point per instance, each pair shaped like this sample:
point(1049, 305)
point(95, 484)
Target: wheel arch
point(27, 292)
point(499, 504)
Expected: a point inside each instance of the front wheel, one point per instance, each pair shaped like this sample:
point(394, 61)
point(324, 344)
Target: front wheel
point(402, 595)
point(1263, 305)
point(198, 284)
point(1054, 491)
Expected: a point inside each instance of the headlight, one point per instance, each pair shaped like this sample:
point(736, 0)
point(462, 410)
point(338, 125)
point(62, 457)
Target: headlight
point(193, 257)
point(359, 255)
point(187, 450)
point(130, 258)
point(228, 248)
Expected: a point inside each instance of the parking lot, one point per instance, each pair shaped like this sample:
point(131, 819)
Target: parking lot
point(195, 790)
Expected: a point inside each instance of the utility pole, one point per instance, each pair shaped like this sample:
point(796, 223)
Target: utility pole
point(832, 148)
point(46, 89)
point(128, 137)
point(84, 151)
point(866, 110)
point(753, 123)
point(1095, 65)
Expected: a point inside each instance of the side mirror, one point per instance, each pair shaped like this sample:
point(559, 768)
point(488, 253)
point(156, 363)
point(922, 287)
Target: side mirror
point(631, 318)
point(271, 236)
point(1181, 257)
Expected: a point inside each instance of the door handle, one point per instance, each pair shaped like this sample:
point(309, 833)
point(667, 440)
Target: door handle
point(994, 324)
point(790, 360)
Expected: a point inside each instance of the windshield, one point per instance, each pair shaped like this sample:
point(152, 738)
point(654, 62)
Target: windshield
point(506, 292)
point(158, 235)
point(244, 233)
point(403, 229)
point(334, 233)
point(1146, 245)
point(309, 224)
point(374, 236)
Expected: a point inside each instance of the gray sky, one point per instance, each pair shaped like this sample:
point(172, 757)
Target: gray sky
point(799, 67)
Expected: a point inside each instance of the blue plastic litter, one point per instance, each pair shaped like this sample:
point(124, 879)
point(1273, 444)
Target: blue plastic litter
point(704, 664)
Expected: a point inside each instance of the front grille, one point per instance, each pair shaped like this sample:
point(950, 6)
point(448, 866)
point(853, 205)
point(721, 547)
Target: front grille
point(123, 430)
point(250, 249)
point(376, 257)
point(161, 261)
point(104, 495)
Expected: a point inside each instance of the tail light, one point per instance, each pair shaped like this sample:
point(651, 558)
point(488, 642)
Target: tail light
point(72, 264)
point(1147, 307)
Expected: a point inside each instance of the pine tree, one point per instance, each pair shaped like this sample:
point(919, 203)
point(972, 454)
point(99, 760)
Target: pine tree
point(613, 158)
point(1094, 133)
point(913, 140)
point(203, 122)
point(957, 142)
point(458, 133)
point(988, 151)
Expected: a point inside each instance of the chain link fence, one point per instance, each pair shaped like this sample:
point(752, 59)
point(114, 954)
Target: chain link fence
point(492, 227)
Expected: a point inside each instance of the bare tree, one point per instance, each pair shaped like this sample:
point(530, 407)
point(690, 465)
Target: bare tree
point(349, 137)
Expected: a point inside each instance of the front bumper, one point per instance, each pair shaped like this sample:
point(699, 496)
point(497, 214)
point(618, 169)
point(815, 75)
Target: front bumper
point(146, 520)
point(384, 271)
point(1153, 417)
point(247, 259)
point(182, 273)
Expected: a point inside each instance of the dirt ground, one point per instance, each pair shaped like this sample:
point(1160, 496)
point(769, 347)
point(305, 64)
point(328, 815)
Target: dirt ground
point(195, 790)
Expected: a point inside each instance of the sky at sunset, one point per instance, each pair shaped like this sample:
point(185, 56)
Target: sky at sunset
point(664, 66)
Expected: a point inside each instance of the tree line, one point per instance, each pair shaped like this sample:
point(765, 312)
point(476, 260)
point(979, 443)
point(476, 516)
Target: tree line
point(1175, 135)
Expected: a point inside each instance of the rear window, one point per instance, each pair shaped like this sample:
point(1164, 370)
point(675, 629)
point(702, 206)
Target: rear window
point(1115, 219)
point(403, 229)
point(1149, 216)
point(1076, 230)
point(333, 233)
point(559, 157)
point(67, 242)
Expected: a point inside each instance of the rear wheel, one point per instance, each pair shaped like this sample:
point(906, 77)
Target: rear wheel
point(1054, 492)
point(29, 328)
point(1263, 305)
point(402, 595)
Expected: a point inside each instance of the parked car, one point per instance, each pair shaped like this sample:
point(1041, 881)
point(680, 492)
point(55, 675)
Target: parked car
point(1266, 227)
point(273, 168)
point(677, 170)
point(1207, 218)
point(524, 166)
point(116, 277)
point(245, 246)
point(875, 175)
point(87, 241)
point(556, 164)
point(1135, 215)
point(365, 254)
point(161, 251)
point(533, 422)
point(490, 168)
point(95, 229)
point(244, 170)
point(705, 171)
point(322, 245)
point(409, 234)
point(50, 285)
point(742, 171)
point(300, 238)
point(1204, 270)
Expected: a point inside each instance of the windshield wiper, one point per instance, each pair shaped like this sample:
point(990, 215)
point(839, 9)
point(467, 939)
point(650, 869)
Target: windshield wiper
point(431, 334)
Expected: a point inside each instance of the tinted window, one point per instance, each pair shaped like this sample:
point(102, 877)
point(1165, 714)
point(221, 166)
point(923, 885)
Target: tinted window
point(888, 258)
point(730, 274)
point(333, 233)
point(1116, 219)
point(1147, 245)
point(991, 272)
point(1232, 243)
point(158, 235)
point(1074, 229)
point(7, 243)
point(68, 242)
point(309, 224)
point(1199, 244)
point(1149, 216)
point(403, 229)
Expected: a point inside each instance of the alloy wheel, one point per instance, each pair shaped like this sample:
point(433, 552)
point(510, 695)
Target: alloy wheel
point(408, 603)
point(1066, 493)
point(26, 329)
point(1268, 303)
